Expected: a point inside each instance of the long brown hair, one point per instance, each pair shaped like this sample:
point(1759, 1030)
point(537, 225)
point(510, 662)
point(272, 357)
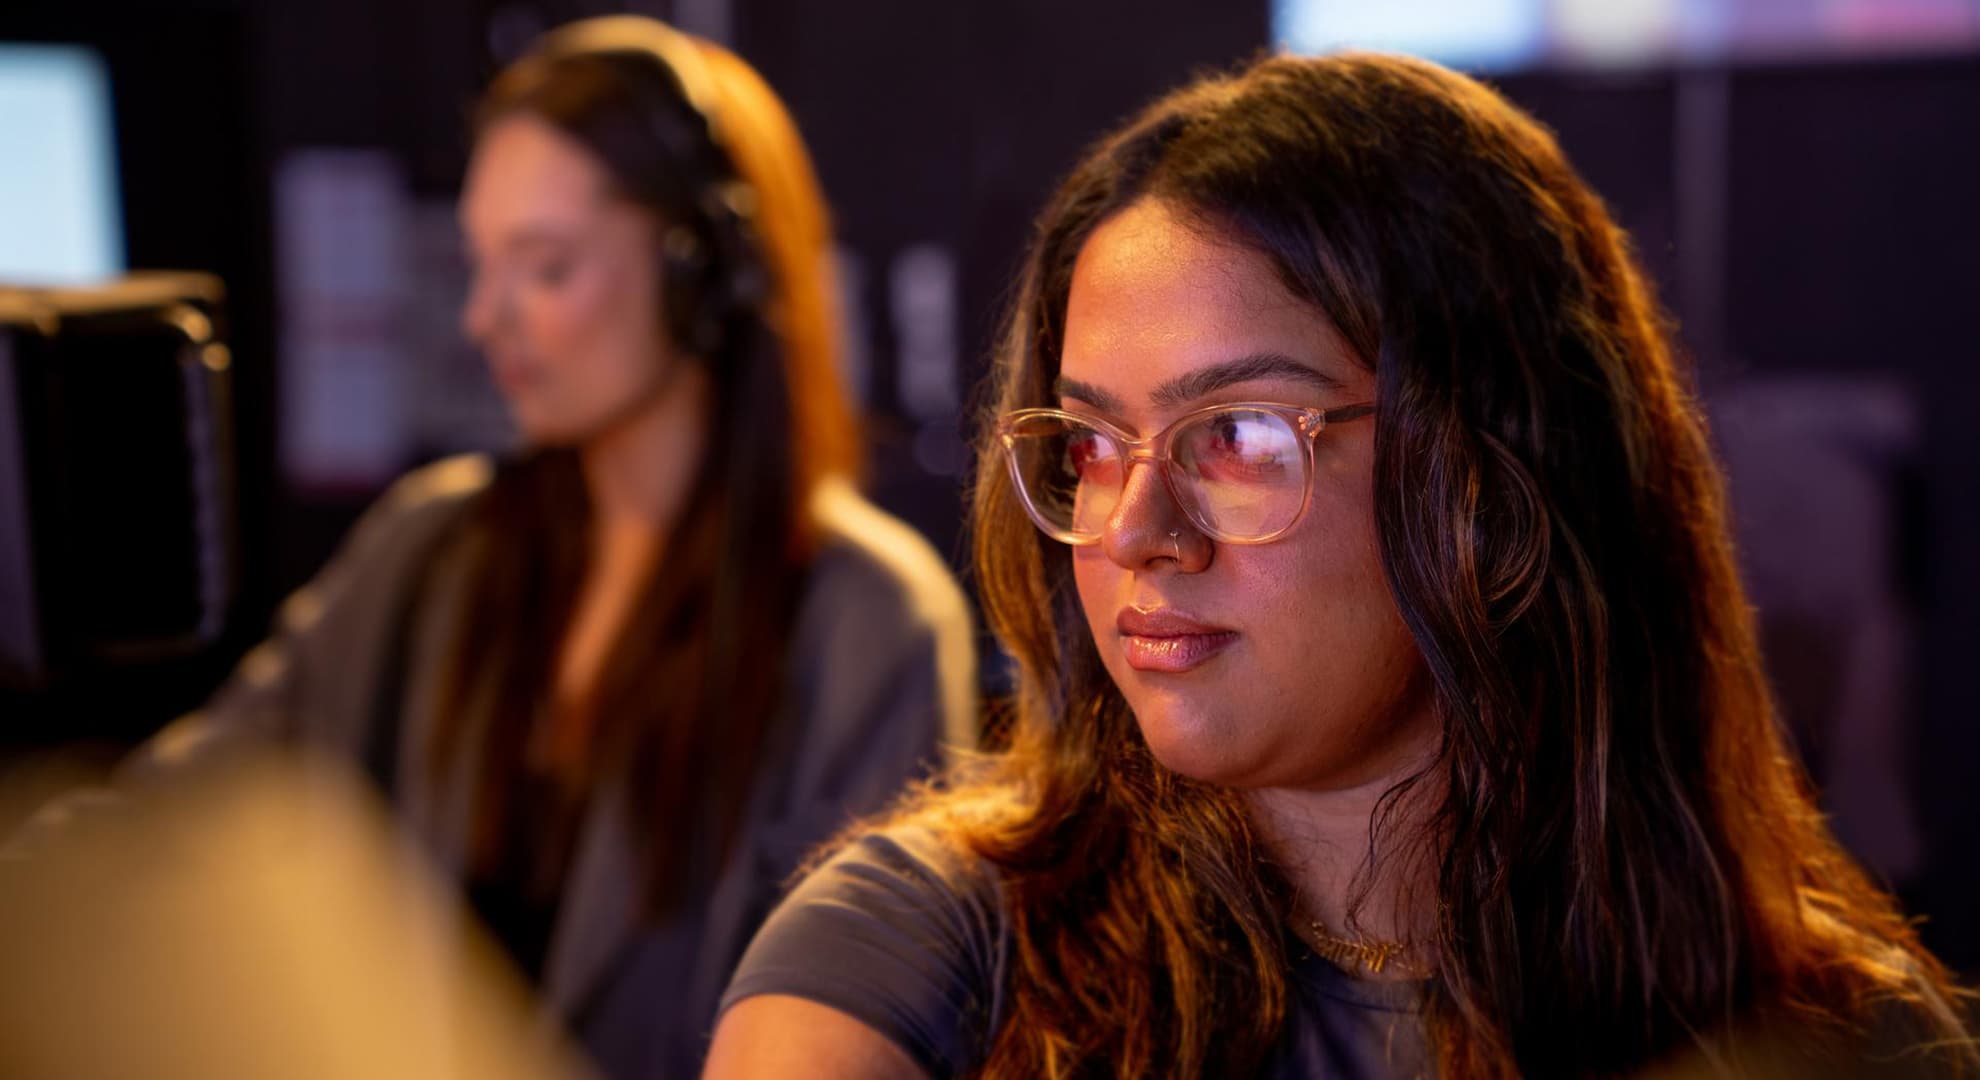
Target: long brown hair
point(1628, 860)
point(682, 703)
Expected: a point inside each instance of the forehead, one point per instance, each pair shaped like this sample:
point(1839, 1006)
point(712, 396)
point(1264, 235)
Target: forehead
point(525, 172)
point(1156, 294)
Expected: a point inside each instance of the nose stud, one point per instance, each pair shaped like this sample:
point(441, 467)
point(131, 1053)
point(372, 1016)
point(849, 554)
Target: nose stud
point(1175, 543)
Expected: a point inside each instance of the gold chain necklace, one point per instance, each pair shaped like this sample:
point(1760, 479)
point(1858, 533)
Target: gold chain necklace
point(1351, 954)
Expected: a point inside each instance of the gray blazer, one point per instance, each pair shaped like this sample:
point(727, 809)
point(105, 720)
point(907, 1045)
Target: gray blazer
point(880, 685)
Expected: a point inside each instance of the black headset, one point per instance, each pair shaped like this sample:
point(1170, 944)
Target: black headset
point(713, 268)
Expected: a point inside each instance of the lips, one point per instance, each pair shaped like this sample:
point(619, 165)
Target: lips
point(512, 374)
point(1168, 641)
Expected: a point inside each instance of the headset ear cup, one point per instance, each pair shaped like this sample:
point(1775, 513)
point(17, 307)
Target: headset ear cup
point(746, 284)
point(686, 271)
point(732, 207)
point(708, 285)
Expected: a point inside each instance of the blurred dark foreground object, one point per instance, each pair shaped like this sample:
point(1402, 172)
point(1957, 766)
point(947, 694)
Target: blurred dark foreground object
point(117, 532)
point(260, 920)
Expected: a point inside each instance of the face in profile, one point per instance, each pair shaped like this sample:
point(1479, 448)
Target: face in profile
point(565, 300)
point(1281, 664)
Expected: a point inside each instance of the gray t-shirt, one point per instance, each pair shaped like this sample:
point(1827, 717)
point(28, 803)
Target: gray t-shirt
point(908, 937)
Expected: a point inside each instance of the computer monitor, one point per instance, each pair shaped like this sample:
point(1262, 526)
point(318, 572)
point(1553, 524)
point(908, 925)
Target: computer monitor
point(61, 215)
point(116, 478)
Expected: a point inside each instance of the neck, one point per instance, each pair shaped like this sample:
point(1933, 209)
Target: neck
point(639, 470)
point(1321, 840)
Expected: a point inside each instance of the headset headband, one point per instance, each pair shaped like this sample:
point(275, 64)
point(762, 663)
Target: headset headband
point(676, 51)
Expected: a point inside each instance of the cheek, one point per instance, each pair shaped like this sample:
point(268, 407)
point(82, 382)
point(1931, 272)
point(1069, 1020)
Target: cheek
point(598, 336)
point(1101, 589)
point(554, 322)
point(589, 310)
point(1336, 639)
point(1340, 552)
point(1334, 693)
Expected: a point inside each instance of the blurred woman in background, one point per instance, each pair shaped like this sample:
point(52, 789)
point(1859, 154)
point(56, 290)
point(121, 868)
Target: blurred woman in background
point(1403, 714)
point(620, 683)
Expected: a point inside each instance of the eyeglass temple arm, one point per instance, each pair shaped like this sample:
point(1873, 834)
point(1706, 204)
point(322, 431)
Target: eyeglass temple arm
point(1341, 415)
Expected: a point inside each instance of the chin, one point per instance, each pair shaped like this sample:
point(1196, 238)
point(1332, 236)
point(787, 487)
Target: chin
point(549, 438)
point(1191, 742)
point(543, 431)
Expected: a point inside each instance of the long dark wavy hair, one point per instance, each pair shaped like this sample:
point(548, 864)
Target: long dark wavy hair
point(1628, 861)
point(681, 706)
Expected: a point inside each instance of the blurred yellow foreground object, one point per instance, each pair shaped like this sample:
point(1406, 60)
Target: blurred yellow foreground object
point(261, 920)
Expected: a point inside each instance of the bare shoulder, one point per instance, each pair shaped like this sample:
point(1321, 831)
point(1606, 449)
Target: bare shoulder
point(779, 1035)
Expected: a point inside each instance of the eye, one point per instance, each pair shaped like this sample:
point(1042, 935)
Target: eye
point(552, 272)
point(1245, 437)
point(1091, 457)
point(1241, 445)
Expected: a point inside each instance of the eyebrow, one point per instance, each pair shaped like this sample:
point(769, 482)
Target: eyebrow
point(527, 238)
point(1184, 389)
point(531, 237)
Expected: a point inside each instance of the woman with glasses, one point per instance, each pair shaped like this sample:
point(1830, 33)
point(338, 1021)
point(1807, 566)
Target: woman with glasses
point(620, 683)
point(1387, 702)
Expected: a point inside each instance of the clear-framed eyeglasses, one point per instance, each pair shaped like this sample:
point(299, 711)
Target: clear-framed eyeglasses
point(1242, 473)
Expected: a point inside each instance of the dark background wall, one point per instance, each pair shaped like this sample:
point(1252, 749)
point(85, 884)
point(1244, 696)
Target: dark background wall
point(1806, 221)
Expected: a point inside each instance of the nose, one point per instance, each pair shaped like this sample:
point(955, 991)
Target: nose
point(1148, 527)
point(482, 309)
